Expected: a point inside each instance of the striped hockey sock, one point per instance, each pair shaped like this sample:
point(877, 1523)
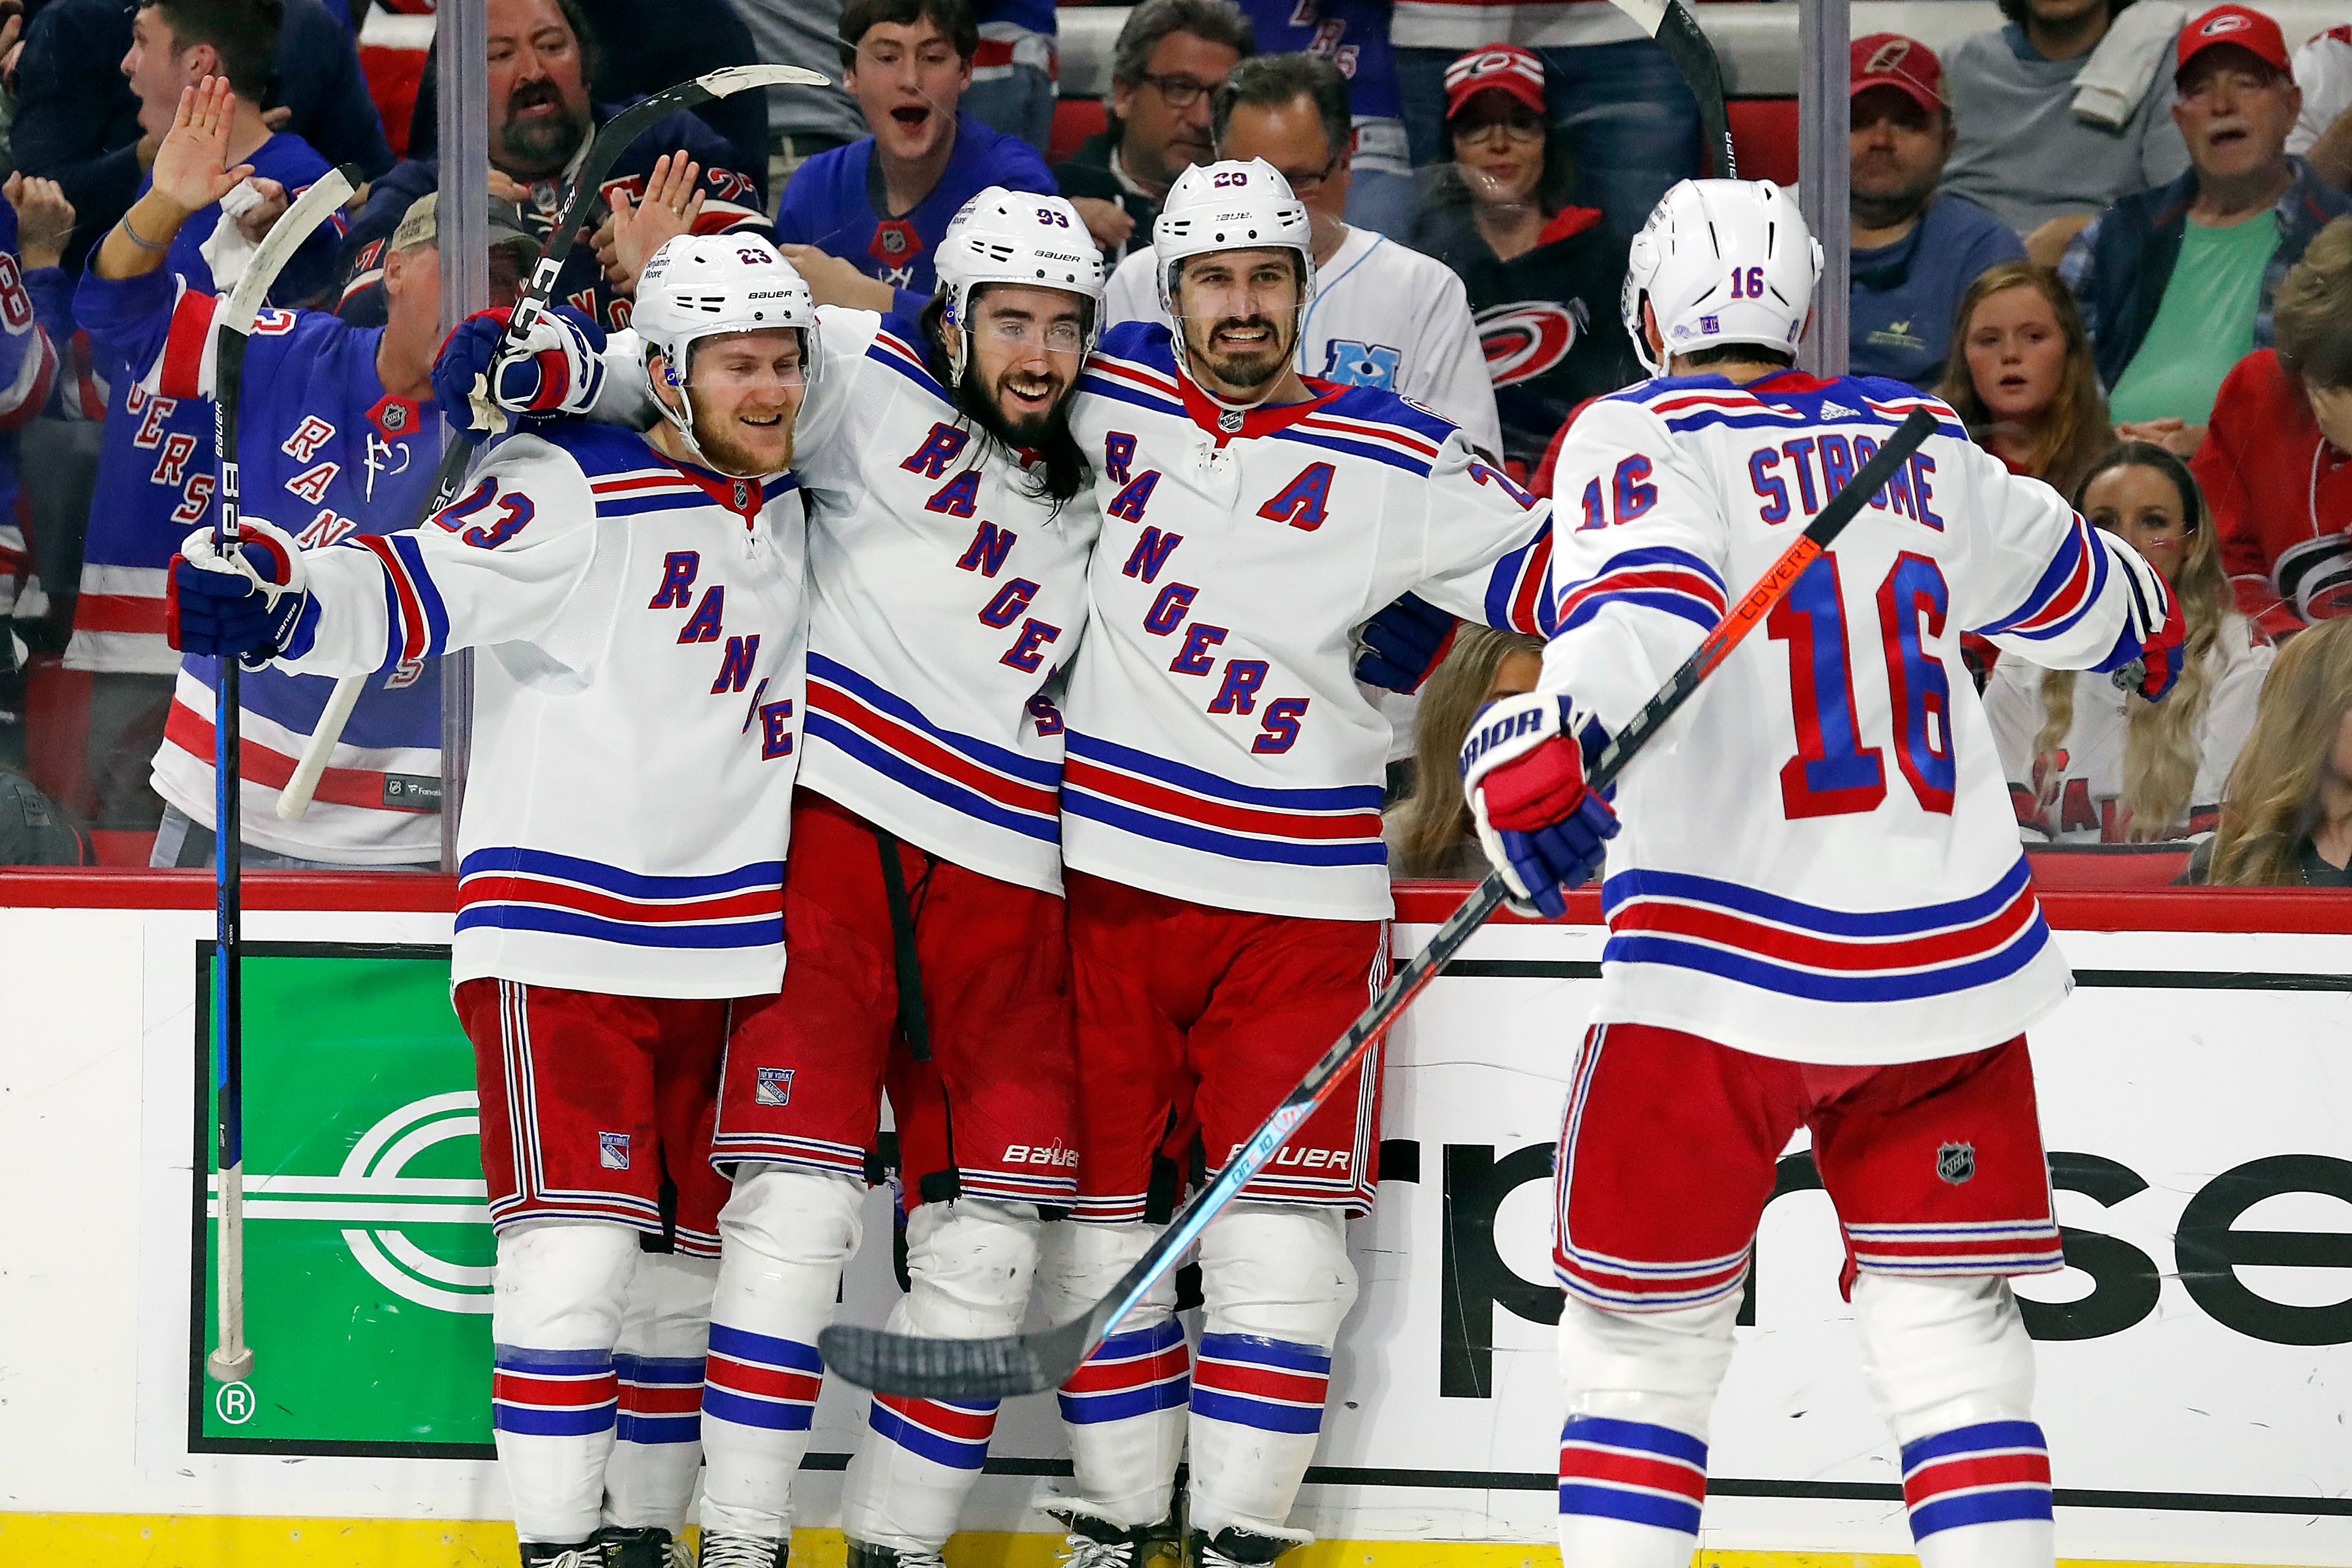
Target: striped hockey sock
point(1257, 1405)
point(910, 1476)
point(1630, 1493)
point(1979, 1497)
point(658, 1441)
point(1123, 1411)
point(552, 1415)
point(758, 1399)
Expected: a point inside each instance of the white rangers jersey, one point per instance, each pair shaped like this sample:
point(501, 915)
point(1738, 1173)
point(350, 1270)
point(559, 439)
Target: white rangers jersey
point(943, 597)
point(2074, 793)
point(1818, 861)
point(636, 706)
point(1220, 750)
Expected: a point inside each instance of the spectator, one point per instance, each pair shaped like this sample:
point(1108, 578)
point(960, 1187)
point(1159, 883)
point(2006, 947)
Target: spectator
point(1171, 58)
point(33, 831)
point(2087, 764)
point(2019, 149)
point(79, 124)
point(1013, 70)
point(801, 121)
point(2286, 811)
point(1354, 35)
point(659, 42)
point(2322, 132)
point(543, 54)
point(2176, 284)
point(36, 221)
point(2277, 462)
point(1429, 831)
point(156, 469)
point(2020, 375)
point(860, 222)
point(1916, 248)
point(1543, 277)
point(1382, 315)
point(1629, 117)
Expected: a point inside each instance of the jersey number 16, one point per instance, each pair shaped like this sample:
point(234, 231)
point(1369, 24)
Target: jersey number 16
point(1833, 772)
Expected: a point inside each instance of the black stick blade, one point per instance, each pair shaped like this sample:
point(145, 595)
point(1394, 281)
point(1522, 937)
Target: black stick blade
point(920, 1368)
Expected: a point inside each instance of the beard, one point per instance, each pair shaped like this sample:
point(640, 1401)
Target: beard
point(1891, 204)
point(1247, 368)
point(987, 410)
point(539, 146)
point(723, 451)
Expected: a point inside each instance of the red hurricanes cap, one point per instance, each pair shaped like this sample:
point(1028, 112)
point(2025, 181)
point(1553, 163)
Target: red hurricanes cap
point(1890, 59)
point(1506, 68)
point(2248, 28)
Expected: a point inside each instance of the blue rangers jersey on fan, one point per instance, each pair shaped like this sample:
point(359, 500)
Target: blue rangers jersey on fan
point(324, 451)
point(29, 361)
point(1219, 747)
point(640, 626)
point(1818, 861)
point(1351, 34)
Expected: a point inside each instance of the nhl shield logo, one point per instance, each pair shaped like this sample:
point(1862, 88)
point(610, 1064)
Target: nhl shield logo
point(1230, 421)
point(613, 1150)
point(774, 1088)
point(742, 495)
point(1956, 1162)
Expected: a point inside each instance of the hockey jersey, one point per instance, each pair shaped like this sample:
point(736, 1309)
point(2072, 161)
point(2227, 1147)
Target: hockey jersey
point(1219, 748)
point(943, 598)
point(28, 370)
point(156, 469)
point(2074, 794)
point(325, 451)
point(637, 705)
point(1817, 860)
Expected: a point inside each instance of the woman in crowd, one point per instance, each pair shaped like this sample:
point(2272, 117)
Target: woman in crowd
point(2286, 812)
point(2277, 459)
point(1543, 277)
point(1429, 831)
point(2087, 764)
point(2021, 377)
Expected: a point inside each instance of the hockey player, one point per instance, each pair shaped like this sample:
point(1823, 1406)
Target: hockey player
point(1819, 913)
point(1220, 824)
point(951, 521)
point(612, 895)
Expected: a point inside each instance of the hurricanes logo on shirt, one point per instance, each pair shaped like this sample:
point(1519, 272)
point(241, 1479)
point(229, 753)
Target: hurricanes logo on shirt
point(1528, 339)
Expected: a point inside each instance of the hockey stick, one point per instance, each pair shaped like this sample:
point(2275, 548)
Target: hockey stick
point(1029, 1364)
point(231, 1360)
point(619, 135)
point(1678, 33)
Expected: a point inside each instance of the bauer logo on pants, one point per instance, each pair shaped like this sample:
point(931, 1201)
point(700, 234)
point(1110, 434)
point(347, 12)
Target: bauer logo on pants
point(774, 1088)
point(1956, 1162)
point(613, 1150)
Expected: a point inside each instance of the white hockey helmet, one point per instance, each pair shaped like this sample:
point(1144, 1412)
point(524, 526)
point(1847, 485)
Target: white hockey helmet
point(1014, 237)
point(1722, 261)
point(702, 285)
point(1230, 205)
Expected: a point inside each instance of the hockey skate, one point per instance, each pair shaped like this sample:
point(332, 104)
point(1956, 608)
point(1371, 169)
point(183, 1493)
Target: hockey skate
point(550, 1554)
point(724, 1549)
point(648, 1546)
point(1095, 1543)
point(862, 1555)
point(1234, 1547)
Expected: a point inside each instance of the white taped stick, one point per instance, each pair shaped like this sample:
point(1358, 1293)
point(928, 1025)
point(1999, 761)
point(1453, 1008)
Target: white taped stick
point(295, 798)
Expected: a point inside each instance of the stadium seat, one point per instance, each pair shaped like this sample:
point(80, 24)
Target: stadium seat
point(1075, 120)
point(2107, 868)
point(1764, 136)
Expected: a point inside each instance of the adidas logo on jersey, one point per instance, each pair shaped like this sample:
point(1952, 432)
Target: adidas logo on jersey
point(1839, 411)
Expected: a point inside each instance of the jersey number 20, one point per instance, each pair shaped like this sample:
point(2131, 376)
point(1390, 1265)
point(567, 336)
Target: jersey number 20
point(1833, 772)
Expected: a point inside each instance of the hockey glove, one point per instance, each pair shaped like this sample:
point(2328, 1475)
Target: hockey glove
point(555, 369)
point(244, 602)
point(1523, 776)
point(2147, 653)
point(1399, 647)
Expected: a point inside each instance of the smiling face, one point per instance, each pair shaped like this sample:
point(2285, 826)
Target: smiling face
point(744, 389)
point(1498, 146)
point(538, 88)
point(2017, 354)
point(2140, 503)
point(1024, 355)
point(1240, 314)
point(2234, 112)
point(907, 80)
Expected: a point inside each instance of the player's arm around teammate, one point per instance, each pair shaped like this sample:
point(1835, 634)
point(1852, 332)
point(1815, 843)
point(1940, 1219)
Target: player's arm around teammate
point(638, 606)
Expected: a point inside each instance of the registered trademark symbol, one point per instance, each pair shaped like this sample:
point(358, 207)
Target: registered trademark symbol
point(234, 1404)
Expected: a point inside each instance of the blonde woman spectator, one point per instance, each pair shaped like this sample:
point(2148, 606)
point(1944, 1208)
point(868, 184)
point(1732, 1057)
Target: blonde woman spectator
point(2277, 462)
point(1429, 831)
point(2286, 812)
point(2085, 763)
point(2020, 376)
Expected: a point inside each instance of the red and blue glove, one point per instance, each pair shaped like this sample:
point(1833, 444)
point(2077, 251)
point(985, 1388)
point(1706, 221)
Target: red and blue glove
point(2147, 656)
point(243, 603)
point(1398, 649)
point(554, 370)
point(1523, 776)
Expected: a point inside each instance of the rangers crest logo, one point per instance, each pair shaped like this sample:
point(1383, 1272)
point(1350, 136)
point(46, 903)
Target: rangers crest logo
point(613, 1150)
point(774, 1087)
point(1956, 1162)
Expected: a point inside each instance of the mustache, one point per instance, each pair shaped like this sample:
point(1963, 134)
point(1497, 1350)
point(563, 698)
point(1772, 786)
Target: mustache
point(1244, 324)
point(531, 94)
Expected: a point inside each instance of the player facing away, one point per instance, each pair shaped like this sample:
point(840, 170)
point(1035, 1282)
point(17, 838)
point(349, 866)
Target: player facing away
point(638, 603)
point(951, 521)
point(1220, 826)
point(1819, 913)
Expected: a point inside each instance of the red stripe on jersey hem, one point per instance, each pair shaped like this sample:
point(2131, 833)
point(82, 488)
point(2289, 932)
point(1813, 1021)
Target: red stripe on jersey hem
point(925, 751)
point(1265, 822)
point(1811, 951)
point(514, 888)
point(120, 612)
point(192, 734)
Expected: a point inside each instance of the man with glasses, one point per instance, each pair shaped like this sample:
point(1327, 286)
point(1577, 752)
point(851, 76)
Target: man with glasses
point(1170, 56)
point(1383, 315)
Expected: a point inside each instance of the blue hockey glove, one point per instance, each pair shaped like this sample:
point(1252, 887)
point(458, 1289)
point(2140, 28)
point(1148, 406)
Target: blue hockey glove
point(555, 369)
point(244, 602)
point(1399, 647)
point(1523, 776)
